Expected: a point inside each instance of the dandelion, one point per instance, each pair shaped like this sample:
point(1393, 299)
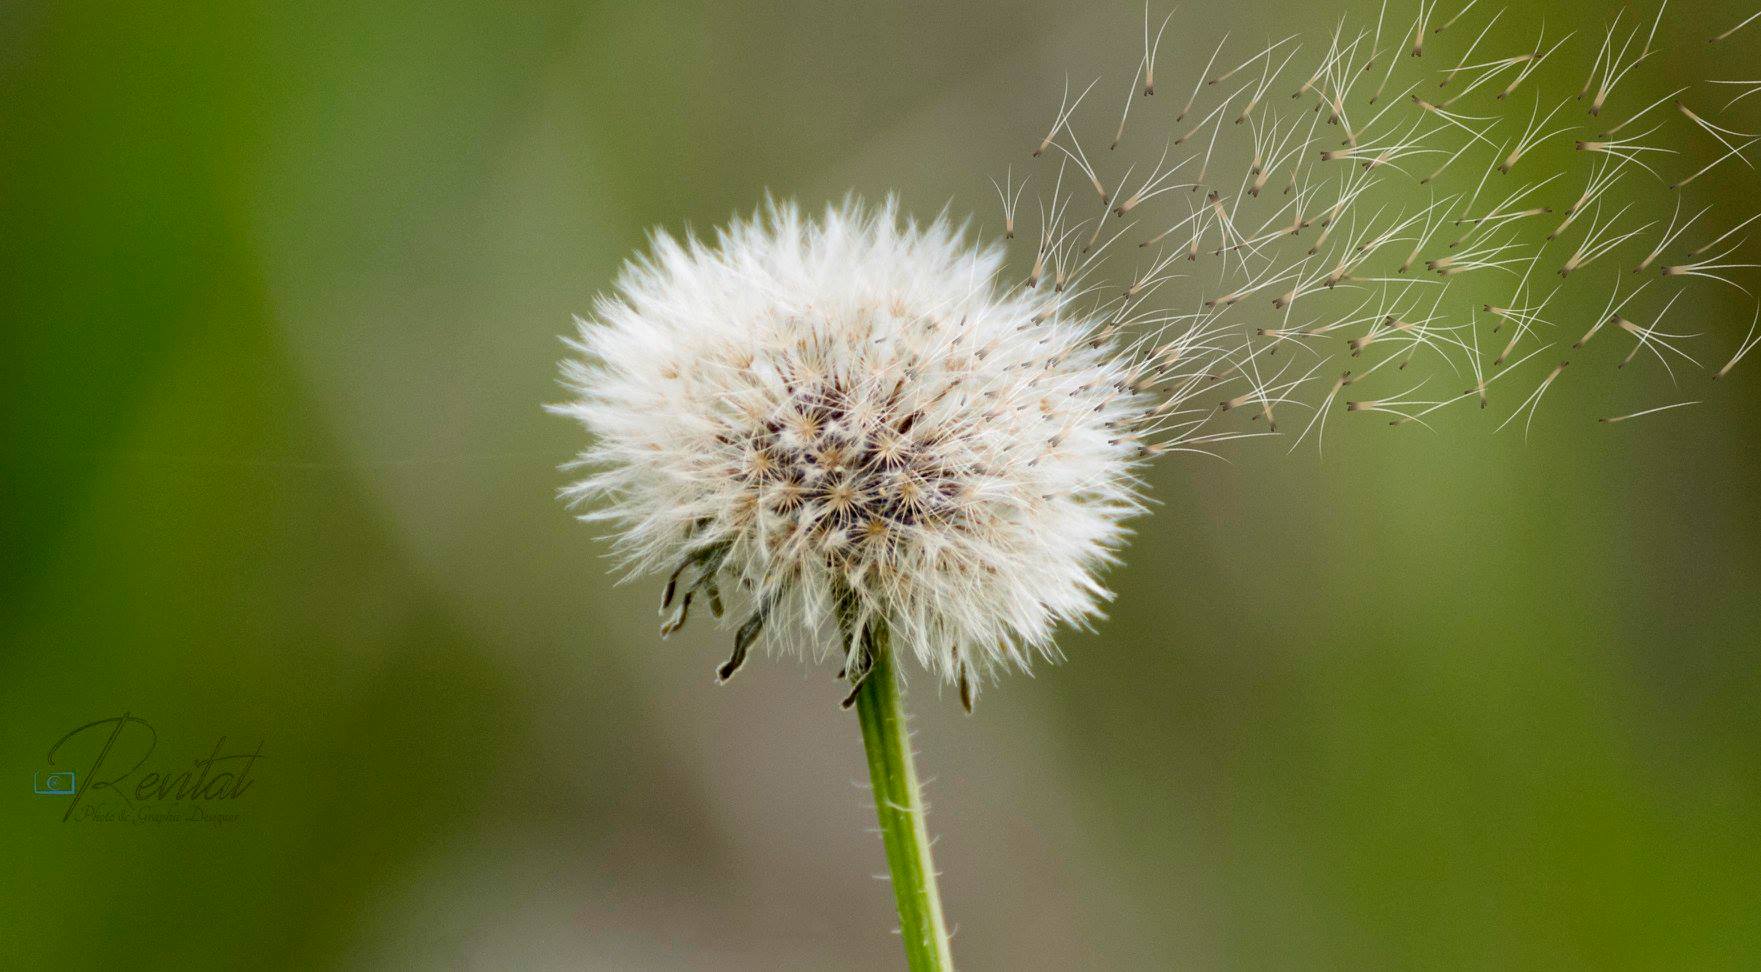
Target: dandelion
point(887, 454)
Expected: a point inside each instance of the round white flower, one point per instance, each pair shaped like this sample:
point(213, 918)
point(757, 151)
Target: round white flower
point(849, 419)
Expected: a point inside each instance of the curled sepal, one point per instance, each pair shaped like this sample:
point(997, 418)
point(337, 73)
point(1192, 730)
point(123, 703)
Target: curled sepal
point(708, 560)
point(963, 674)
point(859, 667)
point(743, 639)
point(677, 621)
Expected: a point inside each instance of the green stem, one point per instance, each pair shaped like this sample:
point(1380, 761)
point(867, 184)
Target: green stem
point(899, 806)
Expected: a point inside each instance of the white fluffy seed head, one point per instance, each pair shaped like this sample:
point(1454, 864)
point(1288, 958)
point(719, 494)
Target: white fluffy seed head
point(850, 418)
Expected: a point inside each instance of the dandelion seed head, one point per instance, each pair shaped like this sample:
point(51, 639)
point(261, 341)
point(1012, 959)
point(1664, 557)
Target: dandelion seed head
point(851, 418)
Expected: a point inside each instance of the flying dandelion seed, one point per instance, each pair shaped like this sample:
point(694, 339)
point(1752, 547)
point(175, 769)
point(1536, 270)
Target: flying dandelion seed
point(1360, 219)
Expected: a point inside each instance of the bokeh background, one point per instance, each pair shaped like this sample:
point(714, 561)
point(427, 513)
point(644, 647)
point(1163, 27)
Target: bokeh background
point(283, 290)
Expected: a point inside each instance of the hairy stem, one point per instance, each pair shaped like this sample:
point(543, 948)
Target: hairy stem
point(898, 803)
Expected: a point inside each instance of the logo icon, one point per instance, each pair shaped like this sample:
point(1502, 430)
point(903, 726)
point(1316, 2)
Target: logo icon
point(54, 783)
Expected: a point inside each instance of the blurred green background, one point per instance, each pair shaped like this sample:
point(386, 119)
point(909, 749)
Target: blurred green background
point(285, 284)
